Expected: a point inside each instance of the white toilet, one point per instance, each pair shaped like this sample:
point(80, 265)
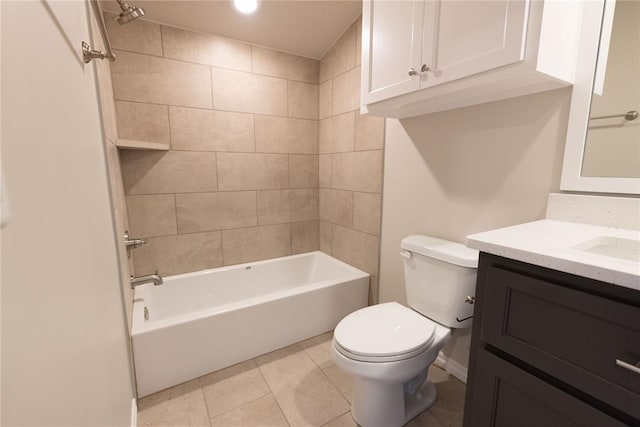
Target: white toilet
point(388, 348)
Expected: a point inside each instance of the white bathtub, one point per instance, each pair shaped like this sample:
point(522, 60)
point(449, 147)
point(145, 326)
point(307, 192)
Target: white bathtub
point(204, 321)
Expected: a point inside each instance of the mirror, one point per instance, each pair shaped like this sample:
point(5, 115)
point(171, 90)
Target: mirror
point(603, 139)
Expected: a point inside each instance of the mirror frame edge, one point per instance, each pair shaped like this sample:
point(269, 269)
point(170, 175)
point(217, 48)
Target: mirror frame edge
point(586, 61)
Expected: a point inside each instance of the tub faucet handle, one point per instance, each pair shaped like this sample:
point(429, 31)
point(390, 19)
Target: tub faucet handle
point(130, 243)
point(470, 299)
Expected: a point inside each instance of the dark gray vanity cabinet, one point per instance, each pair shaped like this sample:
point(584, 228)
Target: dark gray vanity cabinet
point(551, 349)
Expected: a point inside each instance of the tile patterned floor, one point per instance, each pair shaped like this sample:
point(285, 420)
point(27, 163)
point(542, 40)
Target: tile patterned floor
point(295, 386)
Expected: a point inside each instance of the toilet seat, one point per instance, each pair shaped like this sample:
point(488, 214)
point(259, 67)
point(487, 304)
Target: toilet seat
point(383, 333)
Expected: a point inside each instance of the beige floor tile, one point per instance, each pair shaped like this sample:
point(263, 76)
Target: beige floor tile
point(178, 406)
point(426, 419)
point(304, 393)
point(260, 412)
point(232, 387)
point(341, 380)
point(319, 349)
point(449, 406)
point(345, 420)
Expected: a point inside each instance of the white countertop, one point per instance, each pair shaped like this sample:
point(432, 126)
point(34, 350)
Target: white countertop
point(548, 243)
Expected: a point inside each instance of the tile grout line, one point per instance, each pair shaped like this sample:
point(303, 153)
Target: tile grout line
point(222, 110)
point(236, 70)
point(271, 390)
point(339, 416)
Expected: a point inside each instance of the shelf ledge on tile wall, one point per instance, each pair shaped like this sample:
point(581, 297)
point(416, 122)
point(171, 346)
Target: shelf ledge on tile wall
point(128, 144)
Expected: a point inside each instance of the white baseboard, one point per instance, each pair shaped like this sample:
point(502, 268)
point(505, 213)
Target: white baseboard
point(451, 366)
point(134, 412)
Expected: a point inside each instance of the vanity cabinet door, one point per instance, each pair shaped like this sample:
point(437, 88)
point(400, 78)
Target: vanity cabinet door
point(463, 38)
point(505, 395)
point(578, 337)
point(391, 48)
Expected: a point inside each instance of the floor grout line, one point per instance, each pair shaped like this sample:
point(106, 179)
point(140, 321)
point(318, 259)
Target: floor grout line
point(271, 390)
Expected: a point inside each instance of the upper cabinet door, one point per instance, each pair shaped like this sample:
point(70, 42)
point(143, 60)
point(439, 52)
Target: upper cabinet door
point(466, 37)
point(392, 50)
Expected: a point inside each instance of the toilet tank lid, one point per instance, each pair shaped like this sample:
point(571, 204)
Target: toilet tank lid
point(444, 250)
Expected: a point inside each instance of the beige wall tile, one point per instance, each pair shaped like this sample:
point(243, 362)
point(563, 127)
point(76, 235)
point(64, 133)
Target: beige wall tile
point(337, 134)
point(263, 411)
point(302, 100)
point(356, 248)
point(137, 36)
point(215, 211)
point(145, 78)
point(182, 405)
point(341, 57)
point(149, 172)
point(280, 206)
point(283, 135)
point(248, 93)
point(115, 175)
point(366, 212)
point(240, 171)
point(325, 101)
point(336, 207)
point(204, 130)
point(325, 171)
point(346, 91)
point(232, 387)
point(326, 237)
point(369, 132)
point(107, 104)
point(280, 64)
point(151, 216)
point(143, 122)
point(256, 243)
point(273, 207)
point(182, 253)
point(358, 171)
point(303, 171)
point(205, 49)
point(304, 237)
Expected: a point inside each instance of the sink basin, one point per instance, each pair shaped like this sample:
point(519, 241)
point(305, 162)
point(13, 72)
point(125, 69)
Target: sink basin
point(614, 247)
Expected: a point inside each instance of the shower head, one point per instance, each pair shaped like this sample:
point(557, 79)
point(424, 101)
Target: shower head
point(129, 13)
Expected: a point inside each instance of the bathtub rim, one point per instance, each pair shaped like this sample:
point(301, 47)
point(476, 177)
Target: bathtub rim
point(139, 326)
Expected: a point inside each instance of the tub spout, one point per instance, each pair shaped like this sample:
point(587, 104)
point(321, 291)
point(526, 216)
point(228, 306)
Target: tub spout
point(151, 278)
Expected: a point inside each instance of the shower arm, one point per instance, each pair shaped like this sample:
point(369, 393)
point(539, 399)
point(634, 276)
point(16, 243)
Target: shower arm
point(89, 54)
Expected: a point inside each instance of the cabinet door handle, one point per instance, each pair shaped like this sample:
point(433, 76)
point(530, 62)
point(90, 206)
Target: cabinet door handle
point(424, 68)
point(412, 72)
point(628, 366)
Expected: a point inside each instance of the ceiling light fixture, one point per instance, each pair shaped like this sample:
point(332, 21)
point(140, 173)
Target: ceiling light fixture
point(246, 6)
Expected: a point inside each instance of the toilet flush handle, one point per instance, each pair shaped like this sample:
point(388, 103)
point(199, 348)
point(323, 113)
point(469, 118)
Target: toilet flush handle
point(406, 254)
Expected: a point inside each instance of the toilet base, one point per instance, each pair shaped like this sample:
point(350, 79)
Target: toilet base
point(376, 405)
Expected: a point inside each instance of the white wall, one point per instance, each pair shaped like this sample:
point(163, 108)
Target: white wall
point(64, 339)
point(459, 172)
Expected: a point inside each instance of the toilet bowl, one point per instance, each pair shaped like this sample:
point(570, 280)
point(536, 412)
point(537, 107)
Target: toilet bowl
point(388, 348)
point(390, 385)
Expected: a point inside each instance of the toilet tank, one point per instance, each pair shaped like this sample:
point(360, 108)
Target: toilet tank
point(439, 276)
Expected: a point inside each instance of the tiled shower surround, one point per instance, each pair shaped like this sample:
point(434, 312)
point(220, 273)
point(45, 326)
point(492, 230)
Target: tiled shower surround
point(267, 152)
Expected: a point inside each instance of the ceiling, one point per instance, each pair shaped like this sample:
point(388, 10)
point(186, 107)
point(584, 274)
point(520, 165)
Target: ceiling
point(303, 27)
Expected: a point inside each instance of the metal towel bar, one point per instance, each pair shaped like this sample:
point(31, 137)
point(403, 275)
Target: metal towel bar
point(629, 115)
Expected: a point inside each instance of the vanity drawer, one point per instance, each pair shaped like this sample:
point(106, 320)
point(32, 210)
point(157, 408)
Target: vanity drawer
point(505, 395)
point(572, 335)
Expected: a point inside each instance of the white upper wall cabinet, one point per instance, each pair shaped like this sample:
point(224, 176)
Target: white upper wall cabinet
point(423, 56)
